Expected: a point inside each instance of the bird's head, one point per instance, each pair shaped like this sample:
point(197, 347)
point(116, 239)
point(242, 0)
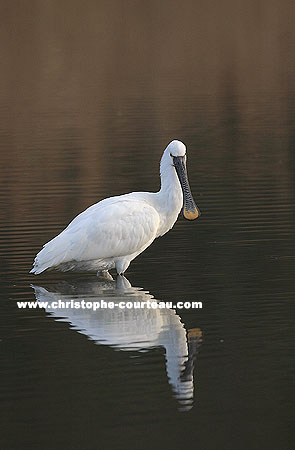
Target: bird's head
point(175, 155)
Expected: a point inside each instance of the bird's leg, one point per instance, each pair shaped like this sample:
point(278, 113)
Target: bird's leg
point(105, 274)
point(122, 283)
point(122, 265)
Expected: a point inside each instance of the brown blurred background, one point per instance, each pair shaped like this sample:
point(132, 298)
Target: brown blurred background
point(83, 83)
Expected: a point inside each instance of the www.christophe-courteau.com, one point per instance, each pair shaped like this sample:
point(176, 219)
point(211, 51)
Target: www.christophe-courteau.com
point(102, 304)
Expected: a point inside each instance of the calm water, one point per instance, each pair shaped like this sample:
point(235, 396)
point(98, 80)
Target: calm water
point(90, 95)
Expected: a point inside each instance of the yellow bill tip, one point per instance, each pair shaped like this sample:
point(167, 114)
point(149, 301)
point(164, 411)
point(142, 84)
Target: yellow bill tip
point(191, 214)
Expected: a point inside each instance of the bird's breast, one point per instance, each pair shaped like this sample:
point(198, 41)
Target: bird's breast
point(169, 213)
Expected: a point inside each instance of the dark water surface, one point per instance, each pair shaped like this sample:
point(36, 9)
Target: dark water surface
point(90, 95)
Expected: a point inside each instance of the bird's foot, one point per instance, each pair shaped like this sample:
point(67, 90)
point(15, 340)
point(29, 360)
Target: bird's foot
point(105, 274)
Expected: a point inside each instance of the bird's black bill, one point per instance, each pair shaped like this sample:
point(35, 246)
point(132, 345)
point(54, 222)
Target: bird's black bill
point(190, 209)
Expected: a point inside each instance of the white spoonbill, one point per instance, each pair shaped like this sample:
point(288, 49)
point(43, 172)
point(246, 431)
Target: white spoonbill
point(111, 233)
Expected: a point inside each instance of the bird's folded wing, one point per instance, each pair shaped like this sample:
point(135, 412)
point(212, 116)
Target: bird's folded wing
point(105, 230)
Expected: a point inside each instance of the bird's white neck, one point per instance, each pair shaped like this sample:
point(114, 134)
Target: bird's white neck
point(170, 184)
point(170, 195)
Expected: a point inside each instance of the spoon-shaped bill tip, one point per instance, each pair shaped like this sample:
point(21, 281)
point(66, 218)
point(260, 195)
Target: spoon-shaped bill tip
point(191, 214)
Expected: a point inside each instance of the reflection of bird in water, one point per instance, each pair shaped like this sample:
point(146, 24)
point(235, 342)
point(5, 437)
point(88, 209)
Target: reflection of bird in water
point(114, 231)
point(129, 329)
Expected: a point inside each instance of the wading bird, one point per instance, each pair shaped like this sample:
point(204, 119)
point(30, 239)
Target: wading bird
point(111, 233)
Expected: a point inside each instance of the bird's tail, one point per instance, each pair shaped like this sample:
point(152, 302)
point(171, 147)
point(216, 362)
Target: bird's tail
point(39, 266)
point(49, 257)
point(36, 269)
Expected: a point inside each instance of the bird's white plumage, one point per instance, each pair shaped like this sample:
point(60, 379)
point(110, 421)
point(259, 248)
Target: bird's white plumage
point(102, 235)
point(114, 231)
